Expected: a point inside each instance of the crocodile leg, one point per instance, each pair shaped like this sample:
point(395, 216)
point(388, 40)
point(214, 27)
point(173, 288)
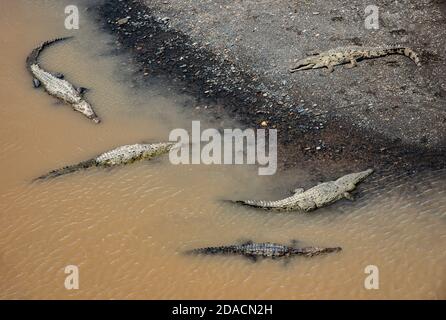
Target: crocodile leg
point(251, 258)
point(36, 83)
point(81, 90)
point(330, 68)
point(353, 63)
point(58, 75)
point(307, 205)
point(243, 242)
point(349, 196)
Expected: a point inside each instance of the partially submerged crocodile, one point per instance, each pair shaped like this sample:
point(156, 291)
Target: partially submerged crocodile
point(351, 55)
point(264, 250)
point(118, 156)
point(319, 196)
point(56, 86)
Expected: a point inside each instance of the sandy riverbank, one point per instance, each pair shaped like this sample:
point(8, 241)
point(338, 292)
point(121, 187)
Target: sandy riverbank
point(387, 113)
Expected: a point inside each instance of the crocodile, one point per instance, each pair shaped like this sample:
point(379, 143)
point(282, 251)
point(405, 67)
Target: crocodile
point(56, 86)
point(318, 196)
point(254, 251)
point(118, 156)
point(351, 55)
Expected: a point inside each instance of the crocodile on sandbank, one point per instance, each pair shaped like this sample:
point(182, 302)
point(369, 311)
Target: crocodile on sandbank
point(351, 55)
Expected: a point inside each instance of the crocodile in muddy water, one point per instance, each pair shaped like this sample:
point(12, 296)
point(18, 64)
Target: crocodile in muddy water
point(56, 86)
point(264, 250)
point(319, 196)
point(118, 156)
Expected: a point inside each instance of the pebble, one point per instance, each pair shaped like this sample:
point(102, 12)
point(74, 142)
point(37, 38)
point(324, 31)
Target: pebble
point(122, 21)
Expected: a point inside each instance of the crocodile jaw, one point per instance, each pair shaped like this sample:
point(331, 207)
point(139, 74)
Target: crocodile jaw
point(85, 108)
point(349, 181)
point(360, 176)
point(302, 66)
point(314, 251)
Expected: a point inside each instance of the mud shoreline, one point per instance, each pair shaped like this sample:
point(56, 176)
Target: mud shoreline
point(325, 142)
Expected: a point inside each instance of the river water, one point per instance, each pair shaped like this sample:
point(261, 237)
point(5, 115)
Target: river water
point(126, 228)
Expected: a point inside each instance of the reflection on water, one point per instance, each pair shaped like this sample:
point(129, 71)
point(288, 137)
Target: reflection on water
point(126, 228)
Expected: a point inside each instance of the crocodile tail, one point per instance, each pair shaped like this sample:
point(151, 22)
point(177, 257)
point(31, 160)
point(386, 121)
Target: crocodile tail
point(197, 251)
point(34, 55)
point(412, 55)
point(212, 250)
point(252, 203)
point(257, 203)
point(67, 169)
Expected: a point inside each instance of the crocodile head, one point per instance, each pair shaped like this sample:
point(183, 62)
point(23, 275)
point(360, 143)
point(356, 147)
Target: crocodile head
point(313, 62)
point(313, 251)
point(330, 250)
point(349, 181)
point(85, 108)
point(96, 120)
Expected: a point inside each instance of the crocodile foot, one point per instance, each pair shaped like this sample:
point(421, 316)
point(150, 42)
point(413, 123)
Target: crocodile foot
point(82, 90)
point(36, 83)
point(58, 75)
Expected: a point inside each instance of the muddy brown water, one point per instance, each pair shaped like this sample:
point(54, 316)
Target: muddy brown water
point(127, 228)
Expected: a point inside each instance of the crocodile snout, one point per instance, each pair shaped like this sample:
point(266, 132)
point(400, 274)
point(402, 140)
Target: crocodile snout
point(364, 174)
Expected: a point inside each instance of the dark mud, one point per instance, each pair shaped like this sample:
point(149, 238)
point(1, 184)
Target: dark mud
point(223, 86)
